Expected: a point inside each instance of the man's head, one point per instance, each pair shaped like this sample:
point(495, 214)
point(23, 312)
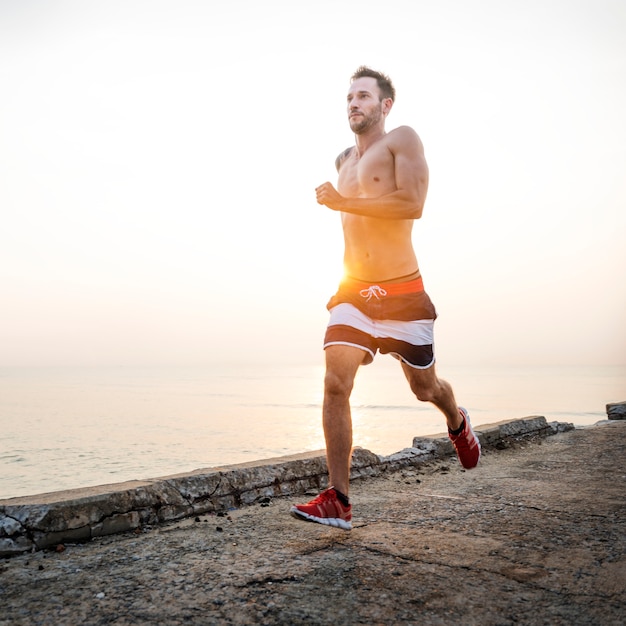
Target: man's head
point(385, 86)
point(370, 98)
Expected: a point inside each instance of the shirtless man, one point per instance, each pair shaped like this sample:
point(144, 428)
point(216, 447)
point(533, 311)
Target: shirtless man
point(381, 303)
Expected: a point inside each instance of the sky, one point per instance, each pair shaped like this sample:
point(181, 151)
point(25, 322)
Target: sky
point(158, 162)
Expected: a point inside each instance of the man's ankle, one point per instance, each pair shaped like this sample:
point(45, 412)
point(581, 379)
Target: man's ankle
point(342, 497)
point(457, 431)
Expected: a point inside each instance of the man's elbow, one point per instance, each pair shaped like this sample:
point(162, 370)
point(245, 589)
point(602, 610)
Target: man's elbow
point(413, 206)
point(416, 210)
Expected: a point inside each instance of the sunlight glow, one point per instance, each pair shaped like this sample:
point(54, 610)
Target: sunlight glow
point(160, 165)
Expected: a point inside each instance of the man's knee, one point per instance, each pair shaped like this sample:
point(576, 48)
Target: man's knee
point(425, 387)
point(338, 384)
point(423, 393)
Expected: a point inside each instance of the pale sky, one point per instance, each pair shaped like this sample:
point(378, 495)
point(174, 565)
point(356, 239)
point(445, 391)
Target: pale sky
point(158, 164)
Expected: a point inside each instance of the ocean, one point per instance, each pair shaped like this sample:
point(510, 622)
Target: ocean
point(65, 428)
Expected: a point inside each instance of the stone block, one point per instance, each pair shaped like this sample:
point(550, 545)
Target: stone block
point(12, 546)
point(409, 457)
point(616, 410)
point(46, 539)
point(434, 447)
point(9, 527)
point(497, 433)
point(195, 486)
point(117, 524)
point(169, 513)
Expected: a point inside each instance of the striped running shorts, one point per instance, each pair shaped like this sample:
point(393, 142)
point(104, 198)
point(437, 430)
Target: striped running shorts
point(393, 318)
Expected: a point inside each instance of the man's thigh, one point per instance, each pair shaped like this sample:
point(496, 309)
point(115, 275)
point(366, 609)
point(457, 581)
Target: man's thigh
point(342, 362)
point(421, 380)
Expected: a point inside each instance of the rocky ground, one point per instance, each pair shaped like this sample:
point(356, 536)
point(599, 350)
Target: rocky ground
point(535, 535)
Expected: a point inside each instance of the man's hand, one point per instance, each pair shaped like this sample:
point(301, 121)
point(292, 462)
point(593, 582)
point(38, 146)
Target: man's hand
point(329, 196)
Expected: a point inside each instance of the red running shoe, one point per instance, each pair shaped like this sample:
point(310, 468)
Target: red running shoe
point(325, 509)
point(466, 443)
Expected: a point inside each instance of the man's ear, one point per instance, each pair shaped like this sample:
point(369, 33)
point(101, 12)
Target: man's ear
point(387, 104)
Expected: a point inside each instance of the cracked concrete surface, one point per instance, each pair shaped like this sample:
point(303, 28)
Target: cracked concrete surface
point(535, 535)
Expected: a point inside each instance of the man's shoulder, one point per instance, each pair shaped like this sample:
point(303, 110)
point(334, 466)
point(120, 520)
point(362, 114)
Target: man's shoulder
point(343, 156)
point(404, 137)
point(404, 133)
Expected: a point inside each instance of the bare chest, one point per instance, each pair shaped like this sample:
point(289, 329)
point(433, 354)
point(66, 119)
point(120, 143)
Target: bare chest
point(368, 176)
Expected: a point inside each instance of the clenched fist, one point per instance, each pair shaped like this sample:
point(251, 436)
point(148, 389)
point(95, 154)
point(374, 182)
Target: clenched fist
point(329, 196)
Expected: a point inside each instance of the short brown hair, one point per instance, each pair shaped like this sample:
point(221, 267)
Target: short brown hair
point(387, 90)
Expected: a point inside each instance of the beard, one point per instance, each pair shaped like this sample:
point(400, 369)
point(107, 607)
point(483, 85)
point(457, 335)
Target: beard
point(367, 121)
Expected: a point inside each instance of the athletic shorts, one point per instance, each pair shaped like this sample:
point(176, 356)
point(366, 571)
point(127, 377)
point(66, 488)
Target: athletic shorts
point(395, 318)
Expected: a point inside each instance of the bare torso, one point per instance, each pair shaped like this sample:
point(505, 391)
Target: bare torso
point(376, 249)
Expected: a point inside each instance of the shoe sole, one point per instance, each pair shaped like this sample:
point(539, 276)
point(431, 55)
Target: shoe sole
point(335, 522)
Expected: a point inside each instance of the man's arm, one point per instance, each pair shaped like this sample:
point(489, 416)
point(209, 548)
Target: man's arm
point(411, 174)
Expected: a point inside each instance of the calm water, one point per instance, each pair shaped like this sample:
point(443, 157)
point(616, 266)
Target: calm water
point(65, 428)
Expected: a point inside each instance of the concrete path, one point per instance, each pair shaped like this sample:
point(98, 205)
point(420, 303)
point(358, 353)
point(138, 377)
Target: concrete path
point(535, 535)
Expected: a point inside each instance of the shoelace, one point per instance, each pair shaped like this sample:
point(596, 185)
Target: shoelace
point(372, 291)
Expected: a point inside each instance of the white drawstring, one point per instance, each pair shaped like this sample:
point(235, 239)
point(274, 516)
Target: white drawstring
point(372, 290)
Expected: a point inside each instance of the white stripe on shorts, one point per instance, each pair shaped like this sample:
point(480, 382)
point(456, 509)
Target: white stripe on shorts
point(415, 332)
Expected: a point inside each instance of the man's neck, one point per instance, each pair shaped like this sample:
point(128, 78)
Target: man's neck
point(366, 140)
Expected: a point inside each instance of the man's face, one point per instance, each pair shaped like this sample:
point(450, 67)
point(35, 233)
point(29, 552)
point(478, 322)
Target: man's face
point(365, 109)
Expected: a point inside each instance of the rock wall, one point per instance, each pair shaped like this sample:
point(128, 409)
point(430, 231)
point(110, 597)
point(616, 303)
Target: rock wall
point(47, 520)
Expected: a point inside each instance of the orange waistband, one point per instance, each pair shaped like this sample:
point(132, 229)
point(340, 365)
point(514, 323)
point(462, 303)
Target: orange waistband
point(384, 289)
